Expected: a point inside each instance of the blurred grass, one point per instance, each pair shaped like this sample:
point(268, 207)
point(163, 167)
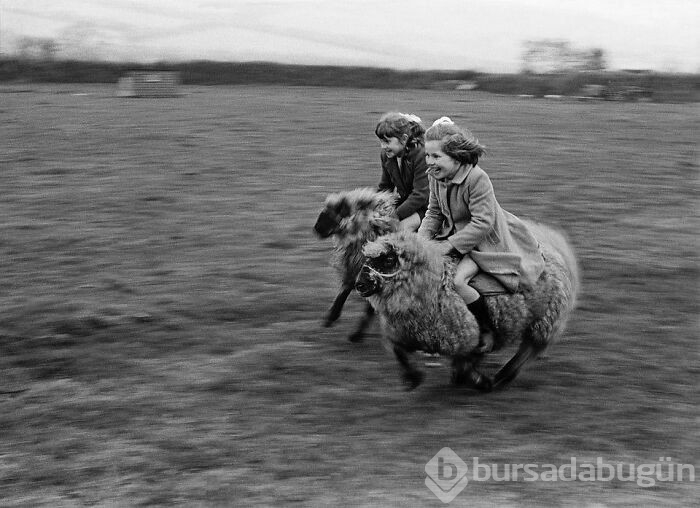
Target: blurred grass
point(162, 294)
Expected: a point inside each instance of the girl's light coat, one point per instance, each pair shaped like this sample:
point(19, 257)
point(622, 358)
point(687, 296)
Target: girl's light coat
point(464, 211)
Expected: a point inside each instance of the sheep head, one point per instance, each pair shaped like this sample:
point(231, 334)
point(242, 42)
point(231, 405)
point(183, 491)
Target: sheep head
point(356, 214)
point(381, 263)
point(392, 260)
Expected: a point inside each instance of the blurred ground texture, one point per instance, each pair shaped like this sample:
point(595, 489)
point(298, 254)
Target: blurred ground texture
point(161, 294)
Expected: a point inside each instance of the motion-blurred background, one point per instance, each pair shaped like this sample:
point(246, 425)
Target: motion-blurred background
point(161, 292)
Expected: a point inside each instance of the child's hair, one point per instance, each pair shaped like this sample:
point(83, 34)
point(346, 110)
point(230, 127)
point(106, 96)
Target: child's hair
point(395, 125)
point(457, 142)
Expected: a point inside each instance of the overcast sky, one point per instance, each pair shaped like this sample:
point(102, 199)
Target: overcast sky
point(485, 35)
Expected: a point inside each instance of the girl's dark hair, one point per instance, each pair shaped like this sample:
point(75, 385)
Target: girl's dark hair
point(457, 142)
point(395, 125)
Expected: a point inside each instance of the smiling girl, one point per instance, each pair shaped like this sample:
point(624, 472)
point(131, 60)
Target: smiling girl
point(464, 213)
point(403, 165)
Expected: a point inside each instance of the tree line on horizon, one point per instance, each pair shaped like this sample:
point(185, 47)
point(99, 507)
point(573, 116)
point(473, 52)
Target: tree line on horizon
point(661, 87)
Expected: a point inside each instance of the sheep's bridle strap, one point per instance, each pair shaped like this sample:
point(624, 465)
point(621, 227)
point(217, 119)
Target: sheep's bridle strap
point(382, 275)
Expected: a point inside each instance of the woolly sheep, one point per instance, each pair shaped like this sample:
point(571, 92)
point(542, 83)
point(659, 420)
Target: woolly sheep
point(353, 218)
point(411, 287)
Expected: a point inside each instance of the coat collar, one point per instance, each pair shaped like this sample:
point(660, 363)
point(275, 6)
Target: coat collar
point(461, 175)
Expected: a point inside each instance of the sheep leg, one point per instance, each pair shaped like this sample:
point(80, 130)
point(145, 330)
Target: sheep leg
point(334, 312)
point(411, 375)
point(366, 320)
point(465, 372)
point(510, 370)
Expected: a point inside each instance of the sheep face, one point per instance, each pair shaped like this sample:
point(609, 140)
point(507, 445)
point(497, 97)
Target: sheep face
point(331, 216)
point(381, 262)
point(357, 215)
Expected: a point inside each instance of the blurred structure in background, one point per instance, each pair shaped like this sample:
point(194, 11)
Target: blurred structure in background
point(617, 91)
point(553, 55)
point(149, 84)
point(36, 48)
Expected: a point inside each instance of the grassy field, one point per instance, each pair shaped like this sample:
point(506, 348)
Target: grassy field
point(161, 294)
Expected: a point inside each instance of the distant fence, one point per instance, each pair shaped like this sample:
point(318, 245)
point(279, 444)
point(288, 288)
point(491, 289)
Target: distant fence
point(148, 84)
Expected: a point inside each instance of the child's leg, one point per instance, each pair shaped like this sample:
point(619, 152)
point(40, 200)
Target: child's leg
point(466, 269)
point(410, 223)
point(481, 313)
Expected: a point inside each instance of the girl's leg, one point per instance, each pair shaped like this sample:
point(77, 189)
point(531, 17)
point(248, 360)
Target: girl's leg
point(466, 269)
point(410, 223)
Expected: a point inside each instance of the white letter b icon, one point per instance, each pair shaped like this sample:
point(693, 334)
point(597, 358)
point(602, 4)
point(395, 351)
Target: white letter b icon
point(446, 475)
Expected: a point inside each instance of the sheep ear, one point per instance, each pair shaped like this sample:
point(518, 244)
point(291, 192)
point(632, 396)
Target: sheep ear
point(363, 204)
point(343, 208)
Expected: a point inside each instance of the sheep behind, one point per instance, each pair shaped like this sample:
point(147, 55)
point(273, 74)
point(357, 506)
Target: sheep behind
point(352, 218)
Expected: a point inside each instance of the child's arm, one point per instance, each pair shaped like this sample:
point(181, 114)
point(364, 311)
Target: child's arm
point(419, 195)
point(433, 216)
point(385, 183)
point(482, 204)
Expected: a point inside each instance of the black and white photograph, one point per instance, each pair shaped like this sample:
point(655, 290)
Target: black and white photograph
point(349, 253)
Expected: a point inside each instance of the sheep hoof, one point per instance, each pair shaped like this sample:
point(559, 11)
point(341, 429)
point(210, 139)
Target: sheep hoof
point(356, 337)
point(483, 384)
point(413, 379)
point(463, 375)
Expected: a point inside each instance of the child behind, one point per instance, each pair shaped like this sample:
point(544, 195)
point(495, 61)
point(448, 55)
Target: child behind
point(403, 165)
